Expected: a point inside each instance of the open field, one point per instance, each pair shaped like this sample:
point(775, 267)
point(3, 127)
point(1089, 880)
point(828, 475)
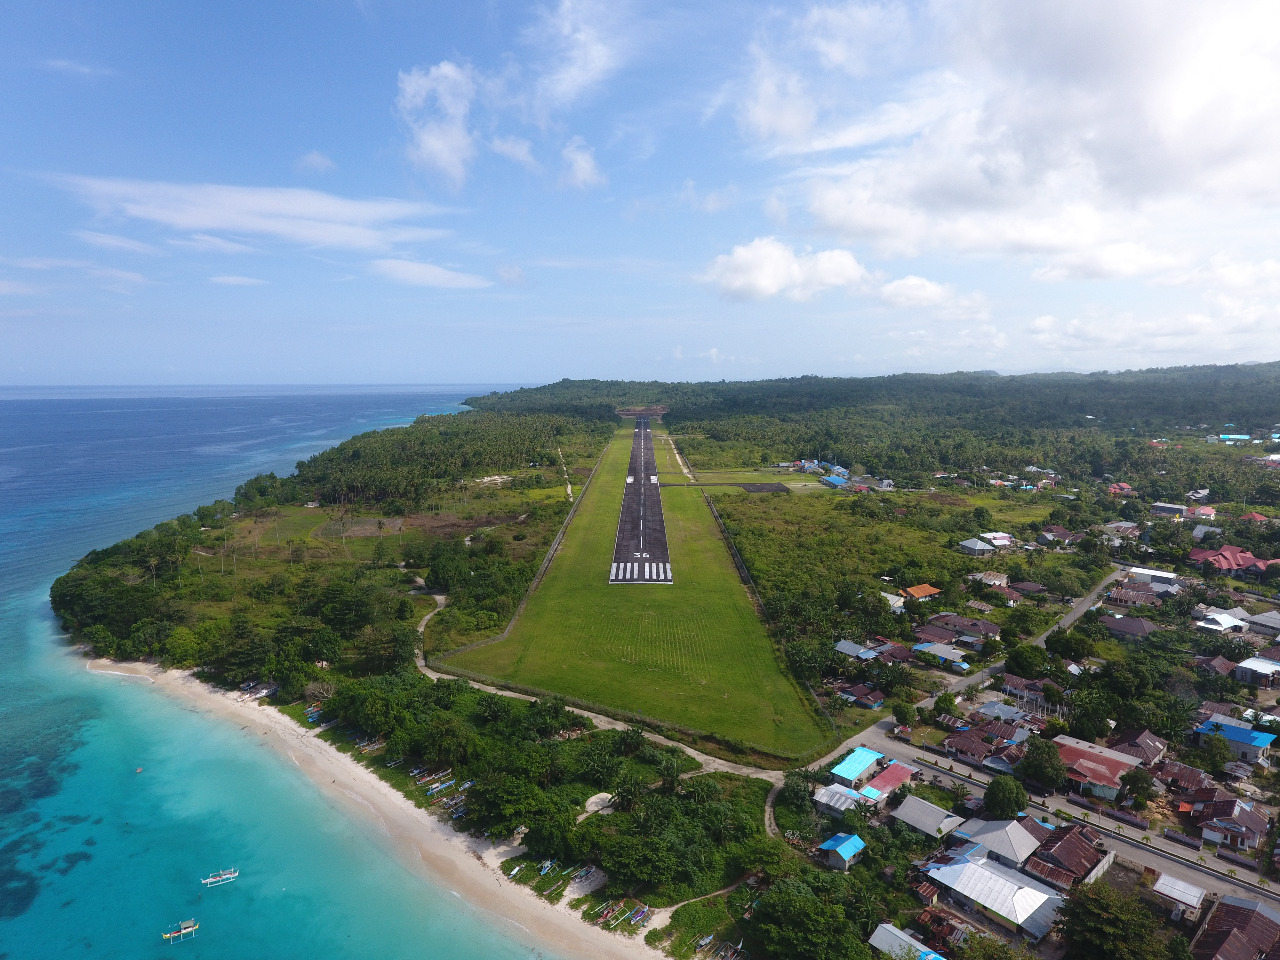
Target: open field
point(664, 452)
point(692, 653)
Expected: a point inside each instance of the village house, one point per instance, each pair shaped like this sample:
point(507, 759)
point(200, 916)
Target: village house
point(1239, 929)
point(1259, 672)
point(1180, 777)
point(976, 548)
point(1009, 842)
point(1145, 747)
point(990, 578)
point(1092, 769)
point(1010, 899)
point(1185, 898)
point(865, 696)
point(1028, 588)
point(1210, 666)
point(1069, 856)
point(966, 626)
point(879, 787)
point(843, 850)
point(1030, 690)
point(1173, 511)
point(899, 945)
point(1233, 823)
point(1010, 596)
point(924, 816)
point(1129, 628)
point(921, 592)
point(1247, 744)
point(1231, 560)
point(934, 633)
point(1267, 624)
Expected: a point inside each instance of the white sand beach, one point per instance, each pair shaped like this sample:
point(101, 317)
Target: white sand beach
point(464, 865)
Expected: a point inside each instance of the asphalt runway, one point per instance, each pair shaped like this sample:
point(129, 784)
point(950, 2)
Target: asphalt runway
point(640, 552)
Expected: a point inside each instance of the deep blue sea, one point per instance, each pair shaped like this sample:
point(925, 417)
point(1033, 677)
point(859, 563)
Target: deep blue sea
point(96, 859)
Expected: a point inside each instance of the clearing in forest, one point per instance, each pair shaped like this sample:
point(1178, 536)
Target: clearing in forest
point(693, 653)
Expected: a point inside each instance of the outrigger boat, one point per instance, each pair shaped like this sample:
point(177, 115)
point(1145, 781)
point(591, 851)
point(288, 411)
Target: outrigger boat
point(185, 930)
point(221, 877)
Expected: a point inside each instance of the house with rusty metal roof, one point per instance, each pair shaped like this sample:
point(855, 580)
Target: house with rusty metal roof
point(1239, 929)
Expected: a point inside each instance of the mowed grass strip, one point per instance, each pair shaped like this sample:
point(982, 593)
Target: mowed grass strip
point(692, 653)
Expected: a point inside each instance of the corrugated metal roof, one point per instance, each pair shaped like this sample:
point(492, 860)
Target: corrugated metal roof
point(889, 939)
point(1016, 897)
point(926, 817)
point(1179, 891)
point(835, 797)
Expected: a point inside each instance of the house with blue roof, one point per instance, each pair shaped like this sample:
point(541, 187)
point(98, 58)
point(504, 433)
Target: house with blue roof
point(855, 766)
point(843, 850)
point(1251, 746)
point(839, 483)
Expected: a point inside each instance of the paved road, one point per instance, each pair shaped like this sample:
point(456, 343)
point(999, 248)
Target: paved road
point(1078, 610)
point(640, 552)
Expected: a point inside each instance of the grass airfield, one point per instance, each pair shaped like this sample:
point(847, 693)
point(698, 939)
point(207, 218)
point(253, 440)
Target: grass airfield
point(692, 653)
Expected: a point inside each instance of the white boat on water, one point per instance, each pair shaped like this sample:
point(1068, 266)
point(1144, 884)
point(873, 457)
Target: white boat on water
point(221, 877)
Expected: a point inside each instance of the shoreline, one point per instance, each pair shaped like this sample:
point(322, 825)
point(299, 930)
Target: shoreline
point(457, 863)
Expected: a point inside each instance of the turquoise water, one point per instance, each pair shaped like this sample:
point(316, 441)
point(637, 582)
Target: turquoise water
point(97, 859)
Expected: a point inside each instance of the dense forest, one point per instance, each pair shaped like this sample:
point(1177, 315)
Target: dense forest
point(1157, 399)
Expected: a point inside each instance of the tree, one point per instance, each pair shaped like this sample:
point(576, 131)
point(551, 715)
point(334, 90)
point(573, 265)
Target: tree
point(945, 704)
point(903, 713)
point(982, 517)
point(1042, 764)
point(1139, 783)
point(792, 921)
point(1027, 661)
point(1100, 921)
point(1006, 797)
point(1217, 752)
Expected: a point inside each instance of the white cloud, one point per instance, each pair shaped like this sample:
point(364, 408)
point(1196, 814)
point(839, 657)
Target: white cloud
point(912, 291)
point(766, 267)
point(14, 288)
point(211, 244)
point(515, 148)
point(581, 170)
point(778, 105)
point(315, 162)
point(420, 274)
point(1090, 139)
point(232, 280)
point(435, 104)
point(111, 241)
point(581, 45)
point(306, 217)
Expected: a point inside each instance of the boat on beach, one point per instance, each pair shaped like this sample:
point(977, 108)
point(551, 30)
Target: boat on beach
point(184, 930)
point(221, 877)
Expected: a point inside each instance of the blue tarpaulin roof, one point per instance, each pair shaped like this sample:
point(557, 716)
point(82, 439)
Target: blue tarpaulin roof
point(848, 845)
point(1238, 734)
point(855, 764)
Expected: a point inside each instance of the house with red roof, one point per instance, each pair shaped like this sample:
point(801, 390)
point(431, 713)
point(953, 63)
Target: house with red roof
point(921, 592)
point(1230, 560)
point(1120, 490)
point(1255, 517)
point(1093, 768)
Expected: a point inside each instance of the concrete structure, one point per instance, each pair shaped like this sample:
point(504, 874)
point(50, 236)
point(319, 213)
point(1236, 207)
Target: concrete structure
point(1251, 746)
point(1181, 895)
point(1145, 575)
point(852, 769)
point(843, 850)
point(1259, 672)
point(976, 548)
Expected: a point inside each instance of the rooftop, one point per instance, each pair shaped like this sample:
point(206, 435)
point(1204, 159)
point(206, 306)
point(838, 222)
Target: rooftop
point(1005, 838)
point(855, 764)
point(848, 845)
point(1179, 891)
point(1236, 734)
point(926, 817)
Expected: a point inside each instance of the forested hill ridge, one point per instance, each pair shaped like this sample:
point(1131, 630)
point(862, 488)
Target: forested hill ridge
point(1244, 394)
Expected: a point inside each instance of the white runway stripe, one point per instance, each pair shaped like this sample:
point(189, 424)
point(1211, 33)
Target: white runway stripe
point(668, 566)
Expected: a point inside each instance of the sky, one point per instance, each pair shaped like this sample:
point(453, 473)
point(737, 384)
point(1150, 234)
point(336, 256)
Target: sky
point(329, 191)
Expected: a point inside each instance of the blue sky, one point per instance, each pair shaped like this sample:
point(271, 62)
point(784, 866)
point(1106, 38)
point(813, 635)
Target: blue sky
point(324, 191)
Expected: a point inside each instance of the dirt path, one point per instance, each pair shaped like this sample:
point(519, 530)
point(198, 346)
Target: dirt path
point(440, 600)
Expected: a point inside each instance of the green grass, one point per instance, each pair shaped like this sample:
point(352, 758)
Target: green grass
point(693, 653)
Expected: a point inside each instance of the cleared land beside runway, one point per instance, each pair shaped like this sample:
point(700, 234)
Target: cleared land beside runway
point(693, 653)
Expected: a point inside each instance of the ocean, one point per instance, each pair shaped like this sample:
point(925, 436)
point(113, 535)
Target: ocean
point(97, 859)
